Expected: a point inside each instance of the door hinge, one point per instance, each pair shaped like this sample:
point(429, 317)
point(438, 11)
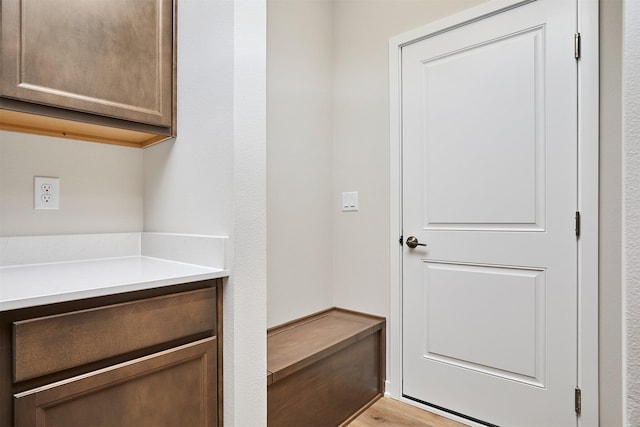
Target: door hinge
point(576, 45)
point(578, 224)
point(578, 400)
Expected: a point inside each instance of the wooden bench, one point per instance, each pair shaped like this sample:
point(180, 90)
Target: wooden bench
point(324, 369)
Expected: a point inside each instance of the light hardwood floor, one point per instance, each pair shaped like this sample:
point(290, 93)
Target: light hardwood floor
point(390, 412)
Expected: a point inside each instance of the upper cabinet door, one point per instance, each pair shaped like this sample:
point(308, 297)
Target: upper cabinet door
point(108, 57)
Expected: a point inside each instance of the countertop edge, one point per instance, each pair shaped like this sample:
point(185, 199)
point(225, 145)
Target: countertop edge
point(44, 296)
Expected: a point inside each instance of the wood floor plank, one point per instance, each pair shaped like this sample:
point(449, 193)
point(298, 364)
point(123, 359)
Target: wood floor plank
point(388, 412)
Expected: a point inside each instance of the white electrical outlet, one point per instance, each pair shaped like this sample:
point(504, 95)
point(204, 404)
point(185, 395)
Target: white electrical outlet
point(46, 192)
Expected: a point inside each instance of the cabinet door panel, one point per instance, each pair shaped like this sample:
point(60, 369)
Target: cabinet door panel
point(170, 388)
point(109, 57)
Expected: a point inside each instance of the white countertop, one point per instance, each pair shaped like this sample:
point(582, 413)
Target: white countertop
point(37, 284)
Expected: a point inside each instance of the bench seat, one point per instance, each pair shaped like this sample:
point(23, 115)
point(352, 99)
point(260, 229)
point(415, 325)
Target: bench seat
point(324, 369)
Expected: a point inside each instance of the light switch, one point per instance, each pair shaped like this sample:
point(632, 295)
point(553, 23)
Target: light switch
point(350, 201)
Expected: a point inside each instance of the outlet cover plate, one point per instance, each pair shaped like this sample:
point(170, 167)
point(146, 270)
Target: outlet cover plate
point(46, 193)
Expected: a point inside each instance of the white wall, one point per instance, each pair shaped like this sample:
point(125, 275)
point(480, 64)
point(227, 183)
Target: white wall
point(328, 133)
point(631, 210)
point(361, 141)
point(188, 182)
point(610, 296)
point(299, 70)
point(245, 393)
point(95, 197)
point(212, 179)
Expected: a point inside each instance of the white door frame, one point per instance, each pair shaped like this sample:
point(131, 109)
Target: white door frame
point(587, 203)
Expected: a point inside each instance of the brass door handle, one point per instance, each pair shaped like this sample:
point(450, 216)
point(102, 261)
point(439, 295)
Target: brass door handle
point(412, 242)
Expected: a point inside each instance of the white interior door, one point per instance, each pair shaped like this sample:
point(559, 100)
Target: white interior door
point(489, 140)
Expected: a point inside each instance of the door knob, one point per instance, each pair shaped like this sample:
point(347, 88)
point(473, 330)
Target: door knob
point(412, 242)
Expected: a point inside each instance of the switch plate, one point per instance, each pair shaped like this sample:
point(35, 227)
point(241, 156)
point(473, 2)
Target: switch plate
point(46, 192)
point(350, 201)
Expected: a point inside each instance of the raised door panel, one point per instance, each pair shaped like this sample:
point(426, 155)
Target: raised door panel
point(506, 334)
point(108, 57)
point(170, 388)
point(483, 136)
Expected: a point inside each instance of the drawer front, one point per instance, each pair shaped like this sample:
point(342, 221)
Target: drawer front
point(176, 387)
point(50, 344)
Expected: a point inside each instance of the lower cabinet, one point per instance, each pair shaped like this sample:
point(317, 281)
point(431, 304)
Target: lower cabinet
point(154, 360)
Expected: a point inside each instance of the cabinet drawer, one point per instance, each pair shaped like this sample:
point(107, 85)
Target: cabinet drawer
point(50, 344)
point(170, 388)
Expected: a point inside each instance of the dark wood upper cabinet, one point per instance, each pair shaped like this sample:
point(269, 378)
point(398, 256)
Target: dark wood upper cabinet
point(100, 63)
